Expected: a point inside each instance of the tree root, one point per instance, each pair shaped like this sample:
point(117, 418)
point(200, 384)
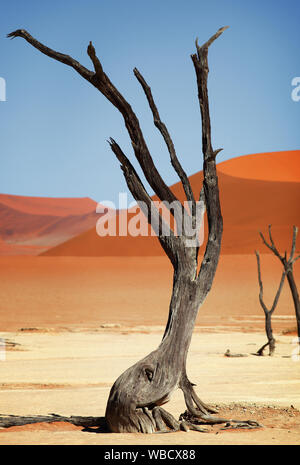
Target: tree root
point(230, 354)
point(210, 420)
point(166, 423)
point(198, 413)
point(271, 345)
point(249, 424)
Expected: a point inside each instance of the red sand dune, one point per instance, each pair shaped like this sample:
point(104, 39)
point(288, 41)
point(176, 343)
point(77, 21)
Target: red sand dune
point(255, 190)
point(274, 166)
point(30, 225)
point(49, 206)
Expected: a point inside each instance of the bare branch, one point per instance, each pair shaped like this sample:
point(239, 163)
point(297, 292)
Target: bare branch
point(201, 67)
point(95, 60)
point(66, 59)
point(288, 270)
point(210, 41)
point(165, 235)
point(105, 86)
point(101, 81)
point(270, 236)
point(261, 287)
point(261, 290)
point(272, 245)
point(295, 232)
point(210, 182)
point(278, 292)
point(287, 263)
point(6, 421)
point(167, 138)
point(295, 259)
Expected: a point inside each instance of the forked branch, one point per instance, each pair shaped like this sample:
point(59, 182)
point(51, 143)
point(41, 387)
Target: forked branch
point(101, 81)
point(163, 231)
point(168, 140)
point(210, 182)
point(288, 269)
point(268, 312)
point(66, 59)
point(283, 258)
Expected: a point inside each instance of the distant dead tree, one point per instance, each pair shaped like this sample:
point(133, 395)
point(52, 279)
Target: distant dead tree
point(268, 313)
point(288, 269)
point(135, 399)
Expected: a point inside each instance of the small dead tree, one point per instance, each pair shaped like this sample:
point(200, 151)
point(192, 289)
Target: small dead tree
point(135, 399)
point(288, 269)
point(268, 312)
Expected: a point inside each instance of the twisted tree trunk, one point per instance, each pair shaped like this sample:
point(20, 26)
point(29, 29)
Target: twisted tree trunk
point(135, 399)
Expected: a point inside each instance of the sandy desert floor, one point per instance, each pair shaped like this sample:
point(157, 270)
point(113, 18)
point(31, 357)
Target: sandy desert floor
point(72, 325)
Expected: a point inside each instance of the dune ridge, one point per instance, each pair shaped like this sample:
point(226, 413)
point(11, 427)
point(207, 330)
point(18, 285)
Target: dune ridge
point(271, 166)
point(53, 206)
point(248, 205)
point(30, 225)
point(255, 190)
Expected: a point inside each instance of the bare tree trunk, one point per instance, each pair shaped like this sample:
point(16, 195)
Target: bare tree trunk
point(288, 269)
point(295, 295)
point(269, 333)
point(268, 313)
point(135, 397)
point(134, 403)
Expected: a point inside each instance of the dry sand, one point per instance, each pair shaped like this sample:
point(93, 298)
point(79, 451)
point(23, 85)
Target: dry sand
point(79, 322)
point(70, 373)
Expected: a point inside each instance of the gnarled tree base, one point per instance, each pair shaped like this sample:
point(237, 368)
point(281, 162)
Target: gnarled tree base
point(147, 419)
point(163, 421)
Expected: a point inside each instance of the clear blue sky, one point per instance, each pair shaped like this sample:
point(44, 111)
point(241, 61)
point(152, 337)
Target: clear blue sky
point(54, 126)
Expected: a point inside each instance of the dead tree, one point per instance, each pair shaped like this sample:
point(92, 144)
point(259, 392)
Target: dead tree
point(288, 269)
point(268, 312)
point(135, 399)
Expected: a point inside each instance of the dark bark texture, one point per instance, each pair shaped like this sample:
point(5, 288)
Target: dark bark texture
point(287, 264)
point(134, 403)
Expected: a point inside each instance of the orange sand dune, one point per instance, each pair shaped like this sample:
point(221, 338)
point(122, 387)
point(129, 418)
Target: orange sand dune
point(48, 205)
point(248, 205)
point(31, 225)
point(274, 166)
